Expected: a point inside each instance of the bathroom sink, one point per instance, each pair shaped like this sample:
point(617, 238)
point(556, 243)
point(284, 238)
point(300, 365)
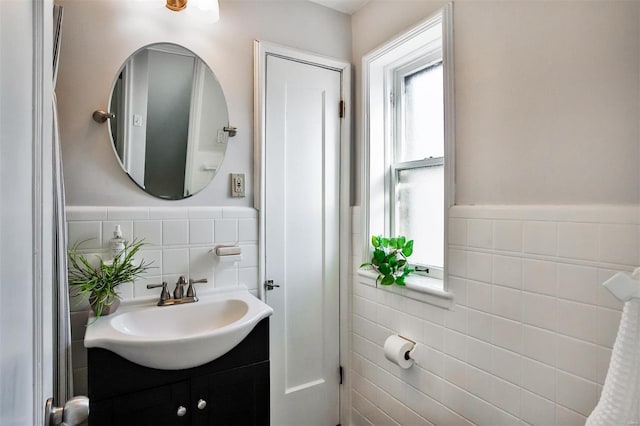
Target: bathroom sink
point(179, 336)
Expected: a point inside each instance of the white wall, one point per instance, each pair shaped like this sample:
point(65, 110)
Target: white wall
point(99, 35)
point(546, 97)
point(17, 396)
point(547, 94)
point(547, 132)
point(530, 336)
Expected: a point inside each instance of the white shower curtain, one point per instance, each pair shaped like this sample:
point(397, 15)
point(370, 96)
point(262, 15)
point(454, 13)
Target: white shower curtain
point(63, 370)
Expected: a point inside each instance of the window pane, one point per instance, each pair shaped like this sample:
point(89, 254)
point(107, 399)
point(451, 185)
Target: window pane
point(423, 127)
point(420, 213)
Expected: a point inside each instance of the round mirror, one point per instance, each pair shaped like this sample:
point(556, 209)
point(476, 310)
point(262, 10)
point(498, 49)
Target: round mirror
point(170, 118)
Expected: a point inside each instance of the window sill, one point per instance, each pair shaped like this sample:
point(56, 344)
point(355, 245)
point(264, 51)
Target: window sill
point(424, 289)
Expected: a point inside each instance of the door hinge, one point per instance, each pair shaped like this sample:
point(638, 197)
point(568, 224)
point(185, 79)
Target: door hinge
point(341, 109)
point(340, 370)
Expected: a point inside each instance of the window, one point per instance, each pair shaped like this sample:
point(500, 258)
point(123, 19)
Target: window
point(409, 142)
point(417, 162)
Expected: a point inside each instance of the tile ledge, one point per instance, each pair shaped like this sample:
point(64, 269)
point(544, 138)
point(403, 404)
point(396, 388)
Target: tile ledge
point(590, 213)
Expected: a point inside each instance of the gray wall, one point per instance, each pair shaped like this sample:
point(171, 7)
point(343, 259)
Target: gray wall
point(547, 96)
point(99, 35)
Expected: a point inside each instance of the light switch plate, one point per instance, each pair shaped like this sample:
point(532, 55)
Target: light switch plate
point(221, 137)
point(237, 184)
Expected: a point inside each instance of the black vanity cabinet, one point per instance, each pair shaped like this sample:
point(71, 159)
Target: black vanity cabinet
point(231, 390)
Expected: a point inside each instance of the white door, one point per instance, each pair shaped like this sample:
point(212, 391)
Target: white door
point(302, 240)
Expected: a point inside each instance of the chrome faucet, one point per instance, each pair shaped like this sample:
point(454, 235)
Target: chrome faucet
point(178, 292)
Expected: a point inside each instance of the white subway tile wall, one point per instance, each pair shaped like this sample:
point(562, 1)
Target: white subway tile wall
point(178, 242)
point(529, 337)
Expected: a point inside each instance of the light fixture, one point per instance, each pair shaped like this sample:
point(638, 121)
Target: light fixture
point(209, 7)
point(176, 5)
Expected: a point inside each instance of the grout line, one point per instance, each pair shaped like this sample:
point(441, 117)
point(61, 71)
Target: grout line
point(548, 258)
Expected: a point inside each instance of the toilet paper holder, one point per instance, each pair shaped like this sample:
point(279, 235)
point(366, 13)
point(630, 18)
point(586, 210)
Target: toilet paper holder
point(399, 350)
point(408, 354)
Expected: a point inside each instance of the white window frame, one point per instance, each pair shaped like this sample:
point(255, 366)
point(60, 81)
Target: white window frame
point(405, 52)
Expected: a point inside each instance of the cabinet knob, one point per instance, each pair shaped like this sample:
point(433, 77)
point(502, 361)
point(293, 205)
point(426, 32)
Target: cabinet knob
point(181, 411)
point(202, 404)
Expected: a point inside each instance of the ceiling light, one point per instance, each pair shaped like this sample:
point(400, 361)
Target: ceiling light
point(208, 7)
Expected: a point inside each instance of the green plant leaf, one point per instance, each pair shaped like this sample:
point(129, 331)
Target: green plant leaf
point(389, 259)
point(401, 242)
point(406, 271)
point(387, 280)
point(379, 254)
point(385, 269)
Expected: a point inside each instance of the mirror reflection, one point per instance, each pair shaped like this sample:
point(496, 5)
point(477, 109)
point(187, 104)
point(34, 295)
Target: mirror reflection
point(170, 115)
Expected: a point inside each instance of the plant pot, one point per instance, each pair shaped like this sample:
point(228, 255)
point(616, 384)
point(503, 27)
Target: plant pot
point(109, 306)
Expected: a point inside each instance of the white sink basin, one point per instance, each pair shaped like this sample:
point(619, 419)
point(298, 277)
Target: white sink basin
point(179, 336)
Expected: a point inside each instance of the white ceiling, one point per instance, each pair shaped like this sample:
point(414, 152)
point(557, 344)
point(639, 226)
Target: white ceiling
point(344, 6)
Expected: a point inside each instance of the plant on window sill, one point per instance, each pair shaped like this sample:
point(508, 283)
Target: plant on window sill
point(389, 259)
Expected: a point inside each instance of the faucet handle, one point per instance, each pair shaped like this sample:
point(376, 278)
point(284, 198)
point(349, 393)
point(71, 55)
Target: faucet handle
point(164, 296)
point(191, 292)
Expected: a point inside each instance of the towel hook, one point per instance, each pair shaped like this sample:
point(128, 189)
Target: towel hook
point(624, 286)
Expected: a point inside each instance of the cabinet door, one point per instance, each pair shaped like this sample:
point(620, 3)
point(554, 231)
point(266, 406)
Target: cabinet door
point(154, 407)
point(237, 397)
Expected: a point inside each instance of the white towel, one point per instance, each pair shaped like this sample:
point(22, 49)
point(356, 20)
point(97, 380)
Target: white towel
point(618, 403)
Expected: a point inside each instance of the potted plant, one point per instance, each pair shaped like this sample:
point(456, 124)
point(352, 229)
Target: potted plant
point(100, 282)
point(389, 259)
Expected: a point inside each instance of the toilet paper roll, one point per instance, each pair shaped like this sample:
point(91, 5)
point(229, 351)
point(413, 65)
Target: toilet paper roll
point(396, 350)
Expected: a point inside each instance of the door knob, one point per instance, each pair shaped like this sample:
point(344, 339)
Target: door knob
point(269, 285)
point(101, 116)
point(74, 412)
point(181, 411)
point(202, 404)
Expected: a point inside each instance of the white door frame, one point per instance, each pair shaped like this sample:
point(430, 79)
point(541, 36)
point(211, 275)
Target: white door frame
point(26, 245)
point(42, 210)
point(261, 50)
point(45, 355)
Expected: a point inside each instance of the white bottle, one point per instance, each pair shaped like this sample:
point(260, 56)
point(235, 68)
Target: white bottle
point(117, 242)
